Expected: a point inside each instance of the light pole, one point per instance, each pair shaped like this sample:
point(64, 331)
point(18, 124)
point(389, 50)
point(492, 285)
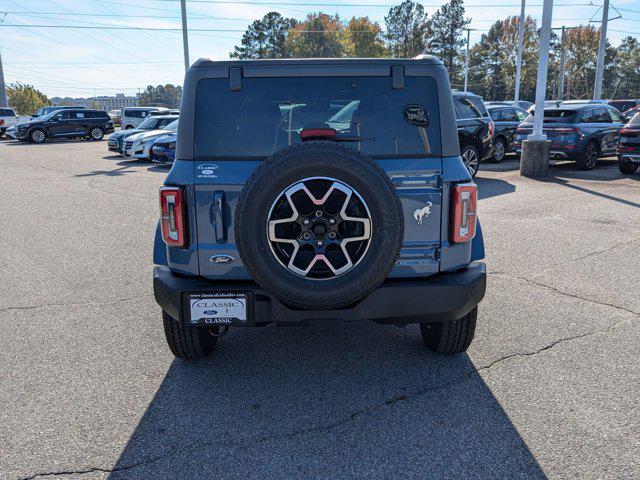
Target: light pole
point(561, 79)
point(466, 62)
point(185, 34)
point(516, 96)
point(534, 161)
point(3, 91)
point(597, 90)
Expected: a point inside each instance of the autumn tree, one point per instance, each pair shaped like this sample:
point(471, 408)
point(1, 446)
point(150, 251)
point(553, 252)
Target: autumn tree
point(407, 29)
point(363, 38)
point(25, 99)
point(265, 38)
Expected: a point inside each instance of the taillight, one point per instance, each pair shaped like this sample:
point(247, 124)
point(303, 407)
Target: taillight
point(492, 128)
point(1, 121)
point(630, 132)
point(464, 212)
point(173, 216)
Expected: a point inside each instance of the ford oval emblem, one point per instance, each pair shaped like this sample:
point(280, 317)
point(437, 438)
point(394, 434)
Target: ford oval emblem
point(221, 259)
point(210, 312)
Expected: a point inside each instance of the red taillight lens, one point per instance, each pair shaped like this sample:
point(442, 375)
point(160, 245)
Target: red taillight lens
point(465, 197)
point(1, 121)
point(172, 216)
point(492, 128)
point(318, 133)
point(565, 130)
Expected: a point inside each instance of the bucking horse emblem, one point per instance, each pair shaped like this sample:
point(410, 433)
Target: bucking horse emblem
point(421, 213)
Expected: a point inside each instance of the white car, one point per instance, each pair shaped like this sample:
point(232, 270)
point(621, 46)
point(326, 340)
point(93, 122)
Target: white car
point(139, 145)
point(9, 119)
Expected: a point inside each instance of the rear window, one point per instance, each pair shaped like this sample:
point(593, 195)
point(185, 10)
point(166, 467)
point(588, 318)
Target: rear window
point(555, 116)
point(469, 107)
point(623, 105)
point(7, 112)
point(270, 113)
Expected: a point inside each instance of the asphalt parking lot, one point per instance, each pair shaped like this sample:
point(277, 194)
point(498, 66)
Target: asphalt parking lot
point(88, 389)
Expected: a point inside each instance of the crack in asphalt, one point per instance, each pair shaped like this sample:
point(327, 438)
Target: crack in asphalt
point(70, 304)
point(387, 403)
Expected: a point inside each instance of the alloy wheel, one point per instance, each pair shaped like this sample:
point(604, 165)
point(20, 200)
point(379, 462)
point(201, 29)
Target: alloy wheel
point(319, 228)
point(499, 151)
point(471, 160)
point(38, 136)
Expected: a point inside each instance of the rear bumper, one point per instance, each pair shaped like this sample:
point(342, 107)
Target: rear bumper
point(442, 297)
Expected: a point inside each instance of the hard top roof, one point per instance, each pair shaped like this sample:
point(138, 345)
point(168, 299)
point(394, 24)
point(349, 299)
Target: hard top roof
point(420, 60)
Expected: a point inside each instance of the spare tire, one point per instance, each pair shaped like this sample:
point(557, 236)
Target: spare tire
point(319, 225)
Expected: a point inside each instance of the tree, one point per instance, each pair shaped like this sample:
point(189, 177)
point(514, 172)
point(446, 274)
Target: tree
point(265, 38)
point(161, 96)
point(407, 29)
point(319, 36)
point(625, 71)
point(447, 26)
point(486, 64)
point(25, 99)
point(509, 56)
point(363, 38)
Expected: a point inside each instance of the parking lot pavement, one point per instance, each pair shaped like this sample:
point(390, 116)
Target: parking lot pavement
point(88, 388)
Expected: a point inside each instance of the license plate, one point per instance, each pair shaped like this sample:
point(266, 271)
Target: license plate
point(624, 139)
point(218, 308)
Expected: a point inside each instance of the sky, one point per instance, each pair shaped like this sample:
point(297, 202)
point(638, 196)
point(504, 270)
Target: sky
point(88, 60)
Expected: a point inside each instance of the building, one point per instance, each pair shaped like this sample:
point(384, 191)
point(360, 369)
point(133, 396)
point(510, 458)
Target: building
point(118, 102)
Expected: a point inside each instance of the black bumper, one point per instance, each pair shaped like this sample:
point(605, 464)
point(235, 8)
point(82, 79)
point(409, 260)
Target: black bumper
point(442, 297)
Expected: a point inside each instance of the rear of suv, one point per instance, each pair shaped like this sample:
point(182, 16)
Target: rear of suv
point(475, 130)
point(308, 190)
point(582, 132)
point(629, 146)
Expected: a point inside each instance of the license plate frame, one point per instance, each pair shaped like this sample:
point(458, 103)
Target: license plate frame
point(219, 308)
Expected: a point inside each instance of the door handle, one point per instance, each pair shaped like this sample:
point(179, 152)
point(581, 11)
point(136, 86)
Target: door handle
point(219, 226)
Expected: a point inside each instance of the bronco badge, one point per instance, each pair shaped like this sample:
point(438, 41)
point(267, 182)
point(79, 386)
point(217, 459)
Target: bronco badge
point(421, 213)
point(416, 115)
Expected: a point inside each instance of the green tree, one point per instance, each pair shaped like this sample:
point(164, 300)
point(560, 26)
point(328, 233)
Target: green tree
point(446, 37)
point(509, 57)
point(25, 99)
point(161, 96)
point(624, 73)
point(363, 38)
point(407, 29)
point(319, 36)
point(265, 38)
point(486, 64)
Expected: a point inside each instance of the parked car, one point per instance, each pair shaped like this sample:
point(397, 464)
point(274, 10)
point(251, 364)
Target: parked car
point(163, 149)
point(624, 105)
point(523, 104)
point(116, 116)
point(67, 123)
point(133, 116)
point(629, 146)
point(505, 120)
point(628, 115)
point(8, 119)
point(54, 108)
point(581, 132)
point(475, 129)
point(170, 111)
point(139, 145)
point(263, 223)
point(116, 140)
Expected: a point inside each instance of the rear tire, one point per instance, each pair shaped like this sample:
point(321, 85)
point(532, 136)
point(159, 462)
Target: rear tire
point(188, 343)
point(589, 157)
point(499, 150)
point(471, 158)
point(627, 167)
point(452, 337)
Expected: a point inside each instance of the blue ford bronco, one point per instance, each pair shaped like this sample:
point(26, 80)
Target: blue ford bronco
point(307, 190)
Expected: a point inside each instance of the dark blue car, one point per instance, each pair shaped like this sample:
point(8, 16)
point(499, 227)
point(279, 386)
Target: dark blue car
point(579, 132)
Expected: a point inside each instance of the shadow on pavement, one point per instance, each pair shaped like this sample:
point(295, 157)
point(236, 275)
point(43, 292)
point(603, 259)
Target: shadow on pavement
point(125, 166)
point(341, 401)
point(493, 187)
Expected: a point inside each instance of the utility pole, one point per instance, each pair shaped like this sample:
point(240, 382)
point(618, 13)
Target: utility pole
point(534, 161)
point(597, 90)
point(3, 91)
point(562, 57)
point(466, 62)
point(185, 34)
point(516, 96)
